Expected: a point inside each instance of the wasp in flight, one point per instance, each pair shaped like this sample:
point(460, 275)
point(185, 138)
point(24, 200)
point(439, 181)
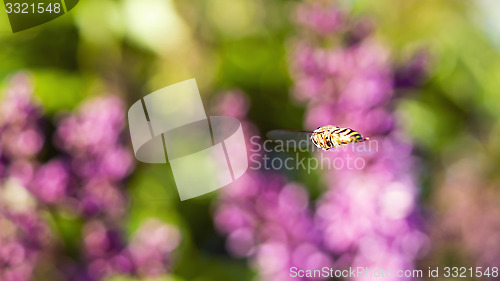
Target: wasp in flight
point(325, 137)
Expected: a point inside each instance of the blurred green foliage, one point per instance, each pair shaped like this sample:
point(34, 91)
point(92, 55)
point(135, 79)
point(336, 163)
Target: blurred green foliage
point(117, 46)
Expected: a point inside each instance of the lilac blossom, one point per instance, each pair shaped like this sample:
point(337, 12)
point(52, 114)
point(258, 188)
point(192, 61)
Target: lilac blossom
point(369, 216)
point(84, 179)
point(94, 140)
point(320, 18)
point(24, 235)
point(21, 137)
point(50, 181)
point(152, 246)
point(469, 212)
point(267, 219)
point(97, 162)
point(23, 238)
point(105, 251)
point(414, 72)
point(147, 254)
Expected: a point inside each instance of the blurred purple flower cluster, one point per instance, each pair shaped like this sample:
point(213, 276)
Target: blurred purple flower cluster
point(266, 218)
point(367, 217)
point(23, 239)
point(469, 216)
point(23, 234)
point(95, 157)
point(107, 253)
point(321, 19)
point(84, 180)
point(21, 137)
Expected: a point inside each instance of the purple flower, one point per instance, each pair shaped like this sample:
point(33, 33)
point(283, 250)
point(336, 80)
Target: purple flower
point(269, 221)
point(368, 216)
point(266, 219)
point(24, 236)
point(20, 135)
point(94, 129)
point(105, 251)
point(468, 220)
point(22, 170)
point(323, 19)
point(234, 103)
point(97, 155)
point(84, 181)
point(151, 247)
point(147, 254)
point(51, 181)
point(100, 197)
point(413, 72)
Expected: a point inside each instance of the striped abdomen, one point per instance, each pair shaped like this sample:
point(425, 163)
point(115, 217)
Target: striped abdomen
point(329, 136)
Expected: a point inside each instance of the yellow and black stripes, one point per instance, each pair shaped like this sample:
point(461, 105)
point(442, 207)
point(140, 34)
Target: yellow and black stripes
point(329, 136)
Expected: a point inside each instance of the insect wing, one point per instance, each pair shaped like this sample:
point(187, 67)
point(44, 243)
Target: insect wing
point(291, 139)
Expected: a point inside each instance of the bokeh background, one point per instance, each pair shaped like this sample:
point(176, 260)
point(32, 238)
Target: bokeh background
point(420, 77)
